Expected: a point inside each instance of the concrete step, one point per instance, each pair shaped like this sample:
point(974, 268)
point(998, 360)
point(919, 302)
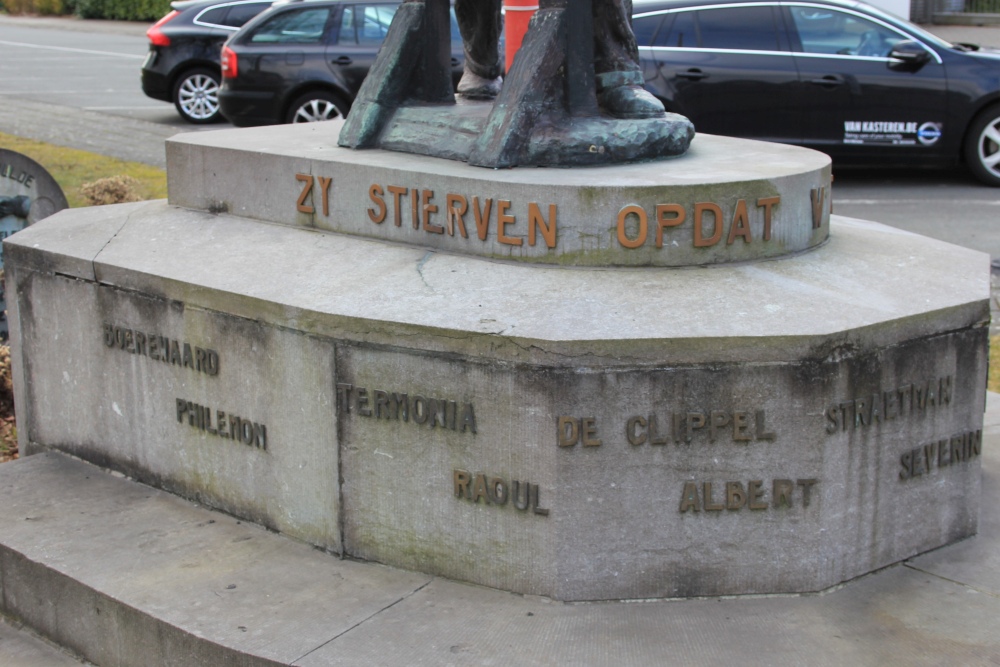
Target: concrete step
point(123, 574)
point(19, 647)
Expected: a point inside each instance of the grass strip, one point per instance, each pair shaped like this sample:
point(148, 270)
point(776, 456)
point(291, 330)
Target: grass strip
point(72, 168)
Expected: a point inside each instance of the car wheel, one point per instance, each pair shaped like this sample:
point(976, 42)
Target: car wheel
point(982, 146)
point(316, 106)
point(196, 96)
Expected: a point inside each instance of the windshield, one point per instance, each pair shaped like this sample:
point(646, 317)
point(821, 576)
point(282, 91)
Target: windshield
point(914, 30)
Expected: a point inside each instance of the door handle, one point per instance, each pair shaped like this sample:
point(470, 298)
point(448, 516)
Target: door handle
point(342, 60)
point(692, 74)
point(828, 80)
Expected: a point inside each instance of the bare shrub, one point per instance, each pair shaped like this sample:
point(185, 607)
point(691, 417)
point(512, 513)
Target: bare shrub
point(111, 190)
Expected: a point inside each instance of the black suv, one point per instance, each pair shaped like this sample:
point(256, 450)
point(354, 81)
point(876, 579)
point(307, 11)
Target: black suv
point(182, 65)
point(305, 61)
point(838, 76)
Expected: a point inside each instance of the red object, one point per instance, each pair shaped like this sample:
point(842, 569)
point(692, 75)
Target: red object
point(517, 15)
point(230, 63)
point(154, 34)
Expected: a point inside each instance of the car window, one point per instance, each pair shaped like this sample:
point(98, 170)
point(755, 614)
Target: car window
point(827, 31)
point(243, 12)
point(738, 28)
point(213, 16)
point(365, 24)
point(301, 26)
point(682, 32)
point(644, 28)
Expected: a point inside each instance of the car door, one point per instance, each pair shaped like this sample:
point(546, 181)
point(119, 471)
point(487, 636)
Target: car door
point(728, 68)
point(858, 102)
point(361, 30)
point(286, 50)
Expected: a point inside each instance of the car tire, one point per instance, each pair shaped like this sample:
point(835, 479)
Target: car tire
point(316, 106)
point(196, 96)
point(982, 146)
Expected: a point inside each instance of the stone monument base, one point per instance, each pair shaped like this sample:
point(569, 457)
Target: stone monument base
point(779, 424)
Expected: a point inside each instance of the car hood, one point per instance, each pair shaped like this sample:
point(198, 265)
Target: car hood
point(985, 53)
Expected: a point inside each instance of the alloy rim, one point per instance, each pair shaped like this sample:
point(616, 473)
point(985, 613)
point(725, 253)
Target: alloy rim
point(989, 147)
point(199, 96)
point(316, 110)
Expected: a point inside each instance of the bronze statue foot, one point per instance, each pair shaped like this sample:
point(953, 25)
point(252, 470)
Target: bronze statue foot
point(475, 87)
point(630, 101)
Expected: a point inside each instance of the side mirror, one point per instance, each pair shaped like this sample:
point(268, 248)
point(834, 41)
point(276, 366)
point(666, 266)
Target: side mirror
point(908, 56)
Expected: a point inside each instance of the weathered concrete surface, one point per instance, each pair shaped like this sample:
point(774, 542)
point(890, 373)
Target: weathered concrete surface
point(156, 573)
point(764, 192)
point(19, 647)
point(313, 330)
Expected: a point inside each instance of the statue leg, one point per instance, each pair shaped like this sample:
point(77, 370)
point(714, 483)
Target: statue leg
point(480, 23)
point(616, 62)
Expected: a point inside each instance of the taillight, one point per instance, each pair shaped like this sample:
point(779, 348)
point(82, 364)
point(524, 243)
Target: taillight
point(230, 63)
point(154, 34)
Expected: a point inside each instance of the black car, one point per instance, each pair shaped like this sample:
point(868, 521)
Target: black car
point(182, 65)
point(305, 61)
point(841, 77)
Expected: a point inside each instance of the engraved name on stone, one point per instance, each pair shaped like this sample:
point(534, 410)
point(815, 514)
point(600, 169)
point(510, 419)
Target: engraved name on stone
point(161, 348)
point(784, 493)
point(943, 453)
point(493, 490)
point(633, 222)
point(517, 224)
point(222, 425)
point(740, 426)
point(907, 401)
point(416, 409)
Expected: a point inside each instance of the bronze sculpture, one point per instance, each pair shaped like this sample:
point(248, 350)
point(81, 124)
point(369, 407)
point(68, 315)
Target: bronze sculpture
point(573, 96)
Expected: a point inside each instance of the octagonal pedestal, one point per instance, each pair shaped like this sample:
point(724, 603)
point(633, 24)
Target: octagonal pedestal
point(781, 415)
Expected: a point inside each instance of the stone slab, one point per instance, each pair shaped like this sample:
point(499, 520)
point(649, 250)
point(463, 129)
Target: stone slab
point(117, 572)
point(21, 648)
point(339, 286)
point(321, 338)
point(770, 201)
point(162, 558)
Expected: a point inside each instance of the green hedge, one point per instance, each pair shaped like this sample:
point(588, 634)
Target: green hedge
point(122, 10)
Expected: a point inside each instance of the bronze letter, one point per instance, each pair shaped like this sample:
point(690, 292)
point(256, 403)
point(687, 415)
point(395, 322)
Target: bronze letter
point(300, 205)
point(640, 237)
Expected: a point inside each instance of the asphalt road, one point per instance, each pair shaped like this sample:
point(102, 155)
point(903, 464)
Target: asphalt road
point(76, 83)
